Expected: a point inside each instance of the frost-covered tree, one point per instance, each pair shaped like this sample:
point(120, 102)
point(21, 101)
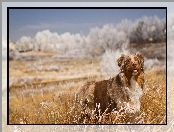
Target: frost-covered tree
point(148, 28)
point(24, 44)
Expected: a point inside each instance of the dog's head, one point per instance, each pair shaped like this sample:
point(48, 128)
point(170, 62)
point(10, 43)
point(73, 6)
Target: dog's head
point(131, 64)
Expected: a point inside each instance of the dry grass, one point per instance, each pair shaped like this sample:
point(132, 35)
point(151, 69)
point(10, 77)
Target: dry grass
point(154, 100)
point(48, 70)
point(55, 102)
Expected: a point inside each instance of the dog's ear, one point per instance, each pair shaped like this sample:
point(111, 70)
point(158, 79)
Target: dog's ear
point(140, 56)
point(120, 60)
point(141, 60)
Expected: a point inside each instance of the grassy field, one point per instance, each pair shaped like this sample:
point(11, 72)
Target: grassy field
point(44, 92)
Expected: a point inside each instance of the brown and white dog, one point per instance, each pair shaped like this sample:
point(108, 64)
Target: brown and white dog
point(125, 88)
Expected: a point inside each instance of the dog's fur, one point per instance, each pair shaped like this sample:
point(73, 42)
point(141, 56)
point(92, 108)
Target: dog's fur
point(125, 88)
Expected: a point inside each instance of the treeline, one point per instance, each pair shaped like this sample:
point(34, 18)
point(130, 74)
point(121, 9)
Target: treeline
point(99, 40)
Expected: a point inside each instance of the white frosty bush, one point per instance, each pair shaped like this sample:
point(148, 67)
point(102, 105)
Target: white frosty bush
point(24, 44)
point(109, 64)
point(150, 63)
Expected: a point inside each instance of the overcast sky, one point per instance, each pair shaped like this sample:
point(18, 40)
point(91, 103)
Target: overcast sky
point(27, 22)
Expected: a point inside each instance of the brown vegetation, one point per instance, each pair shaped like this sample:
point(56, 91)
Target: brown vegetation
point(57, 103)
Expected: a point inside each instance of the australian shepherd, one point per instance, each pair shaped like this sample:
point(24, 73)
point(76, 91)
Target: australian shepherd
point(126, 88)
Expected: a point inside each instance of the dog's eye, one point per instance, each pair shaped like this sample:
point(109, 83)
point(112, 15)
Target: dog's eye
point(127, 61)
point(136, 58)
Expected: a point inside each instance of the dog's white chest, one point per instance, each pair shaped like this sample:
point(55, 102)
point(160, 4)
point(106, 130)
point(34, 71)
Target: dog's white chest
point(135, 94)
point(134, 84)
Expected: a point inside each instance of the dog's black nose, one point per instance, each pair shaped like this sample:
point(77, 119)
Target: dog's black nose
point(134, 64)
